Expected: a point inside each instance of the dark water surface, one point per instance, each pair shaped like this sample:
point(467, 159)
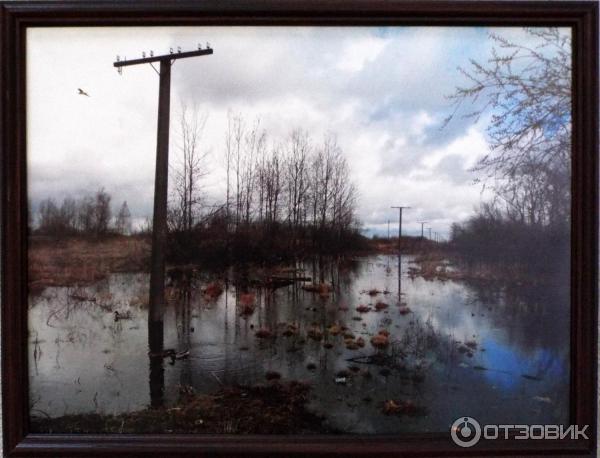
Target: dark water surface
point(496, 355)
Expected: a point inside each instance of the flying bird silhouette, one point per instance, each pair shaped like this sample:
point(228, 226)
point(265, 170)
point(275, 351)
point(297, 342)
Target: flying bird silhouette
point(82, 92)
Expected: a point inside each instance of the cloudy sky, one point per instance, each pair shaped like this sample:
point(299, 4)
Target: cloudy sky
point(380, 90)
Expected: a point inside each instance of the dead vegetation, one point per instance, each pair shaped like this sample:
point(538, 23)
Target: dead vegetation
point(247, 304)
point(380, 340)
point(398, 407)
point(381, 306)
point(274, 408)
point(82, 261)
point(322, 289)
point(264, 333)
point(441, 266)
point(212, 291)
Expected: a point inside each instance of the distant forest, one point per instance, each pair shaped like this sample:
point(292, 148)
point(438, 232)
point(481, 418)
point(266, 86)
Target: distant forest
point(283, 198)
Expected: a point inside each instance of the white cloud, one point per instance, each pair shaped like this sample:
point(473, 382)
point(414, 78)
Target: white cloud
point(360, 51)
point(381, 90)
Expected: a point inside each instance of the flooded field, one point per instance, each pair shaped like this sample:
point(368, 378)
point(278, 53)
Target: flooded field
point(383, 352)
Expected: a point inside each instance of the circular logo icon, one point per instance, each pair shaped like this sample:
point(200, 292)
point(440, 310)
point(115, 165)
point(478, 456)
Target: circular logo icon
point(465, 431)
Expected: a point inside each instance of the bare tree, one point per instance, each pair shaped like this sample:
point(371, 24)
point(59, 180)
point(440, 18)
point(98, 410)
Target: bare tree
point(68, 215)
point(273, 185)
point(343, 196)
point(123, 222)
point(254, 148)
point(234, 138)
point(86, 215)
point(102, 212)
point(229, 148)
point(527, 92)
point(296, 176)
point(48, 216)
point(188, 170)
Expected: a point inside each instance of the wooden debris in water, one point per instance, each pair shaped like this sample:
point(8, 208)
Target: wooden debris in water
point(247, 309)
point(351, 344)
point(531, 377)
point(381, 306)
point(380, 341)
point(323, 289)
point(264, 333)
point(247, 298)
point(315, 333)
point(291, 330)
point(394, 407)
point(334, 329)
point(272, 375)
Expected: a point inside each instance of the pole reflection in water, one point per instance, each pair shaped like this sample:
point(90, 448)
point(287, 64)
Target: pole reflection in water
point(157, 371)
point(399, 277)
point(184, 329)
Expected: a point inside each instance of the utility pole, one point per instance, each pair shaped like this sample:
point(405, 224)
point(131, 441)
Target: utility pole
point(400, 224)
point(429, 233)
point(423, 223)
point(159, 220)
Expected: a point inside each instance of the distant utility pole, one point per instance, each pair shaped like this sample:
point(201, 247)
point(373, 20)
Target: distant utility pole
point(423, 223)
point(400, 224)
point(429, 233)
point(159, 221)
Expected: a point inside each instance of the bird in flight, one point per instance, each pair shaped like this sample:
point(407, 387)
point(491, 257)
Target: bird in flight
point(82, 92)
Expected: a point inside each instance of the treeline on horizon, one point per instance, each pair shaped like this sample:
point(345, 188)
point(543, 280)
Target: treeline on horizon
point(90, 215)
point(284, 199)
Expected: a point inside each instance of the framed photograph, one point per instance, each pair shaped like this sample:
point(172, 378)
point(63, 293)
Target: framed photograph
point(299, 228)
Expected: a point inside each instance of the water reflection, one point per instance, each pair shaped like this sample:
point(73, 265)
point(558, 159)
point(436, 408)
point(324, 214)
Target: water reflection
point(498, 355)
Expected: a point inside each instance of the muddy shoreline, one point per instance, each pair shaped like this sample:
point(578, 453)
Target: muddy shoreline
point(271, 408)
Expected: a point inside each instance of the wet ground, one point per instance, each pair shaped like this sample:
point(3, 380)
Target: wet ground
point(437, 349)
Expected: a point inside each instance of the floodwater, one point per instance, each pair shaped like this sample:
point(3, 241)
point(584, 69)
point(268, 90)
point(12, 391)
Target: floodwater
point(496, 355)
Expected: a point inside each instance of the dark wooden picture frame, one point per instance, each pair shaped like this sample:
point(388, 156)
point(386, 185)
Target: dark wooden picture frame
point(16, 17)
